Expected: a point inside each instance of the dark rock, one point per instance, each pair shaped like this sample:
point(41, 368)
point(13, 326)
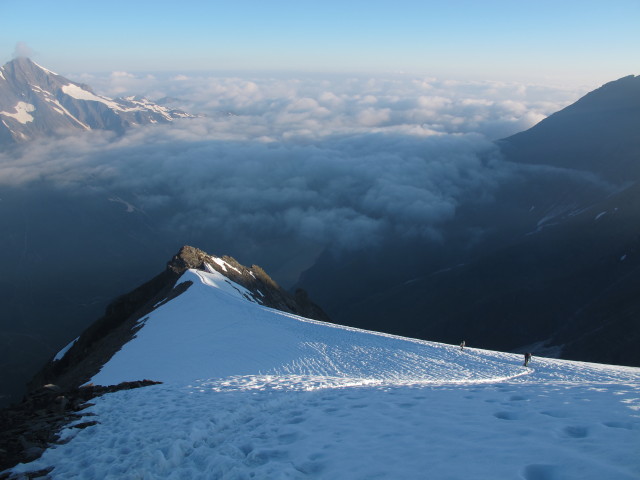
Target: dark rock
point(122, 317)
point(263, 288)
point(32, 453)
point(25, 432)
point(83, 425)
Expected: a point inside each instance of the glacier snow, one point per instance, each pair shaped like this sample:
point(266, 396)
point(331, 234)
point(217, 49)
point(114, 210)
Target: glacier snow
point(252, 392)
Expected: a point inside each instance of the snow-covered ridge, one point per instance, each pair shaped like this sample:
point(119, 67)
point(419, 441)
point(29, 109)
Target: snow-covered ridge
point(253, 392)
point(80, 93)
point(45, 69)
point(224, 333)
point(126, 104)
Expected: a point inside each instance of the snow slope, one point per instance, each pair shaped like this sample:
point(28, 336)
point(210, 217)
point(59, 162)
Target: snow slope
point(251, 392)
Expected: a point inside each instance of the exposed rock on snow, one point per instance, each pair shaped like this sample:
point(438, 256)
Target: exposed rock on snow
point(30, 427)
point(122, 317)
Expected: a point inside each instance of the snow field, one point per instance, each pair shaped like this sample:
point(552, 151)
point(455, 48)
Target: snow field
point(505, 431)
point(79, 93)
point(253, 393)
point(213, 331)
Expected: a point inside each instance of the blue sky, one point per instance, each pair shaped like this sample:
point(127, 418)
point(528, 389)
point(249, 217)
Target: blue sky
point(589, 41)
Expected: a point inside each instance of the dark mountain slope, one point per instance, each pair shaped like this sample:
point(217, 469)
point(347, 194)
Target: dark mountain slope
point(558, 286)
point(556, 263)
point(599, 133)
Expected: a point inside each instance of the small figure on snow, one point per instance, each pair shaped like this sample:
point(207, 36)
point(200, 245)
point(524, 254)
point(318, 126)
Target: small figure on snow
point(462, 345)
point(527, 358)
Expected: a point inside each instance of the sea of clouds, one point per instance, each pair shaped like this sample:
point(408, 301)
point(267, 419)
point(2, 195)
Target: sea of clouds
point(336, 160)
point(276, 170)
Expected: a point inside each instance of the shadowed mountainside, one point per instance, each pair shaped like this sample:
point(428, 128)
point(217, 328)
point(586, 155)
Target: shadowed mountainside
point(559, 265)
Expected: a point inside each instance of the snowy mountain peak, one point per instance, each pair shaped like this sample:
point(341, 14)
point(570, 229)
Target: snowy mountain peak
point(23, 68)
point(191, 271)
point(36, 102)
point(261, 287)
point(254, 392)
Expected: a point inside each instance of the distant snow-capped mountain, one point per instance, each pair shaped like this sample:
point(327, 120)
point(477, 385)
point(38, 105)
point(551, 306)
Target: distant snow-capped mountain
point(37, 102)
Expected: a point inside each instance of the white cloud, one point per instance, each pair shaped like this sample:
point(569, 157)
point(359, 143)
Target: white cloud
point(281, 107)
point(122, 74)
point(343, 162)
point(22, 50)
point(333, 190)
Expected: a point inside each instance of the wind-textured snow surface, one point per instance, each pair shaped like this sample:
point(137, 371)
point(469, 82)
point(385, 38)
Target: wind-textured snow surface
point(250, 392)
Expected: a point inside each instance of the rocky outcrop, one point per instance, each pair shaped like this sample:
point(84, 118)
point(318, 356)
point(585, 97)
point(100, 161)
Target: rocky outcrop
point(30, 427)
point(264, 289)
point(120, 322)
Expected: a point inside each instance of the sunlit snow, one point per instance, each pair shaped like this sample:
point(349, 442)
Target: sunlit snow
point(224, 265)
point(45, 69)
point(21, 114)
point(250, 392)
point(80, 93)
point(48, 97)
point(145, 105)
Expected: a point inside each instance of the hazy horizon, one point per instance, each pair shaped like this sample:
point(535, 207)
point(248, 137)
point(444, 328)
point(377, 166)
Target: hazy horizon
point(572, 43)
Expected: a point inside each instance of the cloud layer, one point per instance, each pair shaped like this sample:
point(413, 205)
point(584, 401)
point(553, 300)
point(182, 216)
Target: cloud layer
point(336, 161)
point(348, 190)
point(316, 106)
point(22, 50)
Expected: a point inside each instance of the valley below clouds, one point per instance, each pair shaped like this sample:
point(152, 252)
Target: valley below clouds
point(275, 171)
point(344, 162)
